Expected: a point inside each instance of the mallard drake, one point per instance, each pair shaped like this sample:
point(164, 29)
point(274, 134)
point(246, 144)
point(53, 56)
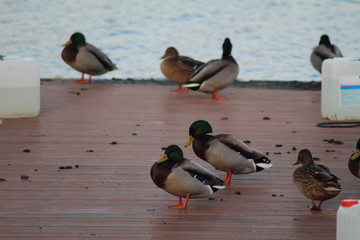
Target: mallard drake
point(178, 68)
point(354, 161)
point(225, 152)
point(315, 181)
point(324, 51)
point(85, 58)
point(183, 178)
point(216, 74)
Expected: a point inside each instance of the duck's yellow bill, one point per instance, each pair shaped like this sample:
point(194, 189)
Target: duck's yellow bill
point(163, 158)
point(189, 141)
point(356, 155)
point(67, 43)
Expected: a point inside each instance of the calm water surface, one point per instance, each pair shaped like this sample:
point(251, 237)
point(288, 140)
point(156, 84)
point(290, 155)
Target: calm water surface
point(272, 40)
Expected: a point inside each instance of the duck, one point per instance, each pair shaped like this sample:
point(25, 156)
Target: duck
point(354, 161)
point(315, 181)
point(183, 177)
point(178, 68)
point(225, 152)
point(85, 57)
point(324, 51)
point(216, 74)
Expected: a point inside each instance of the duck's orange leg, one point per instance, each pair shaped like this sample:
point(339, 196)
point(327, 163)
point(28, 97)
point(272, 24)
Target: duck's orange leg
point(227, 180)
point(180, 205)
point(82, 79)
point(314, 207)
point(215, 95)
point(180, 90)
point(319, 206)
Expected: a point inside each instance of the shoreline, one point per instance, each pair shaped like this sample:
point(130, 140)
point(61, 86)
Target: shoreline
point(261, 84)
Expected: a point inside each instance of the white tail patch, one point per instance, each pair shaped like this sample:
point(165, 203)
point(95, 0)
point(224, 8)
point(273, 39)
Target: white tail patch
point(189, 85)
point(264, 165)
point(332, 189)
point(214, 188)
point(218, 187)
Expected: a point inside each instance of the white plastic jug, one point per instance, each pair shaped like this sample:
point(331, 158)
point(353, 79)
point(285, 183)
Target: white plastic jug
point(19, 88)
point(340, 89)
point(348, 220)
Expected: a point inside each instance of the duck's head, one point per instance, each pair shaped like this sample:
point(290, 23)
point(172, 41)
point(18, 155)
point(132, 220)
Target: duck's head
point(357, 151)
point(227, 46)
point(198, 129)
point(170, 52)
point(172, 153)
point(325, 40)
point(304, 158)
point(77, 38)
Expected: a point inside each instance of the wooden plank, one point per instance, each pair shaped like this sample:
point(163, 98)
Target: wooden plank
point(111, 196)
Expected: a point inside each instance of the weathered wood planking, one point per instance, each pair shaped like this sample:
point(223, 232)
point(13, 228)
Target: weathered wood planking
point(111, 196)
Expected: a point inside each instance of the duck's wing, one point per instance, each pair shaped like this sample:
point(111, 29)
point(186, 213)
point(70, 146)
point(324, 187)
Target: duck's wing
point(323, 174)
point(188, 65)
point(239, 146)
point(100, 56)
point(194, 64)
point(207, 70)
point(337, 51)
point(196, 169)
point(323, 52)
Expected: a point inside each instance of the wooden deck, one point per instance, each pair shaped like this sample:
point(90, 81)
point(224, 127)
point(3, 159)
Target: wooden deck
point(108, 193)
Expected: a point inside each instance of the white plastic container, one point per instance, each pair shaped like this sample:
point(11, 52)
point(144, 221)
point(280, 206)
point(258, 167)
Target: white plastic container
point(19, 88)
point(348, 220)
point(340, 89)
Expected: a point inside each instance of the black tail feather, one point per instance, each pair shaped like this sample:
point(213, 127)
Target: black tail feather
point(262, 163)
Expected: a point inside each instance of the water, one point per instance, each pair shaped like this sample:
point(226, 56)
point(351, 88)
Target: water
point(272, 39)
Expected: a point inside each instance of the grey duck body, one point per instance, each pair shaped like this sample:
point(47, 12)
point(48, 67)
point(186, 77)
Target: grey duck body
point(225, 152)
point(216, 74)
point(179, 179)
point(182, 177)
point(324, 51)
point(85, 57)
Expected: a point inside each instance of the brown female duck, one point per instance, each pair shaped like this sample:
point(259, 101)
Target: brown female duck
point(178, 68)
point(315, 181)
